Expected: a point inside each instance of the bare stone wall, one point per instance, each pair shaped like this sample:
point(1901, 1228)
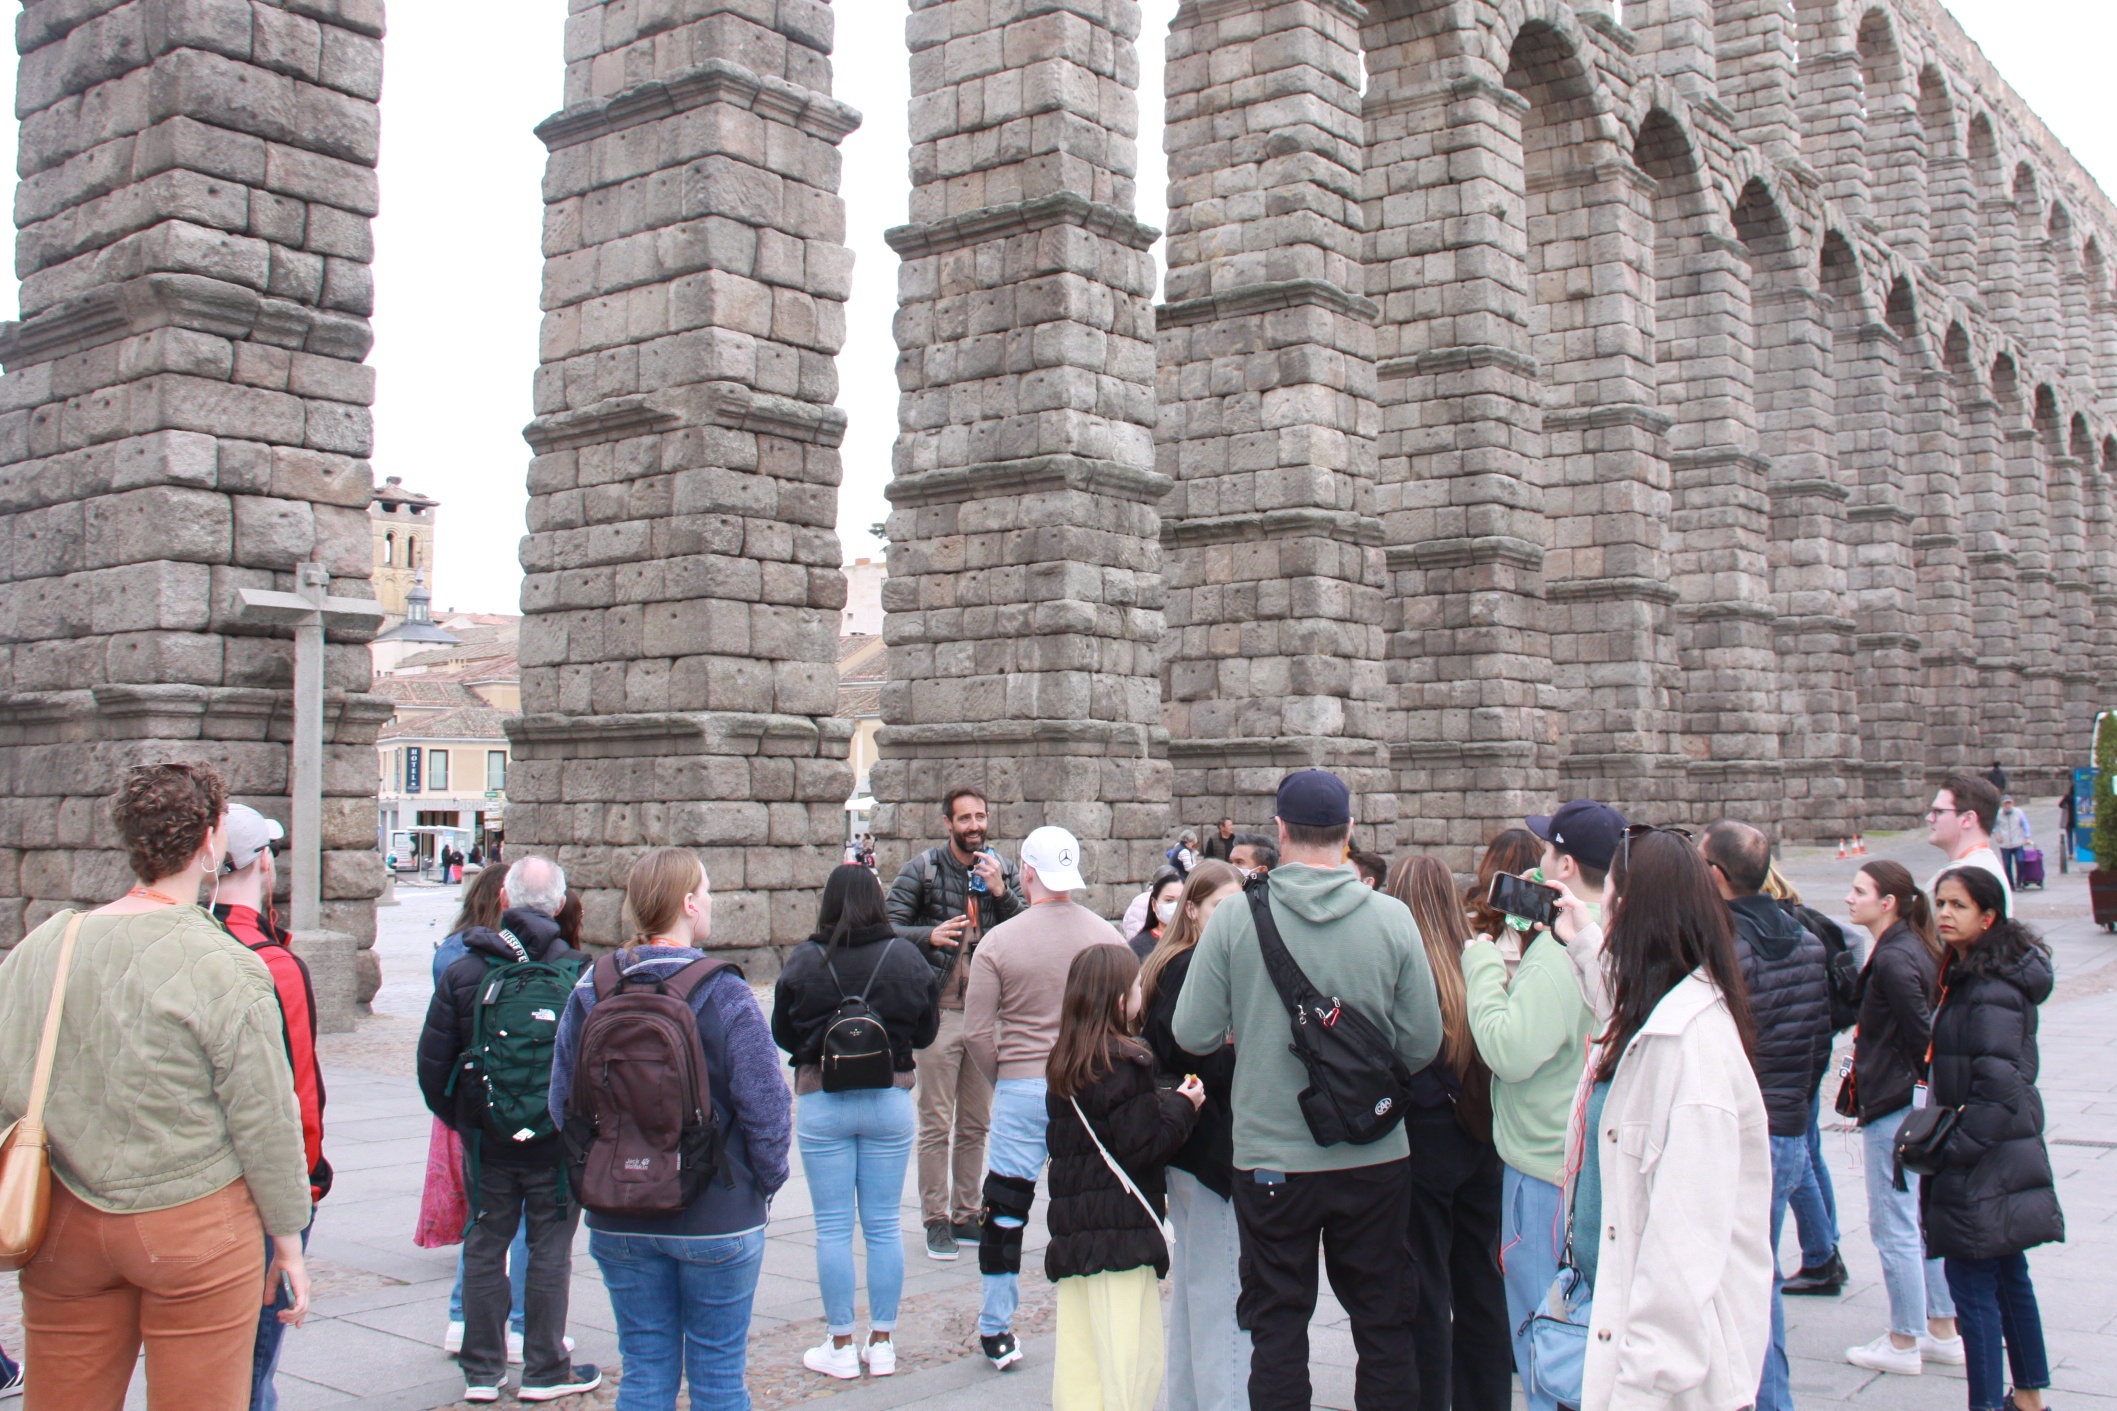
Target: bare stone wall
point(184, 413)
point(682, 585)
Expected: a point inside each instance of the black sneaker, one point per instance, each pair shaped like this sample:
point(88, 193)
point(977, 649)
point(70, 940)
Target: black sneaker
point(966, 1231)
point(583, 1377)
point(941, 1241)
point(1826, 1278)
point(1002, 1351)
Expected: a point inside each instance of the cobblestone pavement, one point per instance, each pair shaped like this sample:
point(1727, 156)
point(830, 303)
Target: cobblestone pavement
point(374, 1340)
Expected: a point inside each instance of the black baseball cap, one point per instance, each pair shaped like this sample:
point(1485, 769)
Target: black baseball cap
point(1314, 798)
point(1584, 829)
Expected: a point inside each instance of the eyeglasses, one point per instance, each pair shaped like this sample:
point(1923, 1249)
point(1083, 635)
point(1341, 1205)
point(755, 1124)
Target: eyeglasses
point(1933, 813)
point(1640, 830)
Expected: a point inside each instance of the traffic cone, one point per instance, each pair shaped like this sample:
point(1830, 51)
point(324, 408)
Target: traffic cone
point(1843, 851)
point(1859, 845)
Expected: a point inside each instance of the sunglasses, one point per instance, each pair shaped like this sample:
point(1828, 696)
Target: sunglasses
point(1640, 830)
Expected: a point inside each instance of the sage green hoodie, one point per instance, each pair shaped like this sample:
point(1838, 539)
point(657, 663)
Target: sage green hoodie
point(1356, 945)
point(1533, 1035)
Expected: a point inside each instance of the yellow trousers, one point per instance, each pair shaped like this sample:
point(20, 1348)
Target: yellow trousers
point(1109, 1342)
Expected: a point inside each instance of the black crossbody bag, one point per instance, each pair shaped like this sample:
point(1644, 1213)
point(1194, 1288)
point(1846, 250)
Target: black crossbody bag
point(1358, 1088)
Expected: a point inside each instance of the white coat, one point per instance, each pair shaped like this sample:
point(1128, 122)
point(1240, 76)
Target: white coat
point(1682, 1313)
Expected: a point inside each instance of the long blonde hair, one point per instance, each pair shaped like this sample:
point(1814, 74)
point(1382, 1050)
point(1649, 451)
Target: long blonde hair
point(1424, 884)
point(1208, 876)
point(655, 891)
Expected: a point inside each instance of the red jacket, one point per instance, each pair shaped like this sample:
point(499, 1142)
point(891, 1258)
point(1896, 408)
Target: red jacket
point(297, 1007)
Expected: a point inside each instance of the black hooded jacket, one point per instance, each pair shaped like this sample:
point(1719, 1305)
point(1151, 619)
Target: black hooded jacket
point(1209, 1154)
point(1896, 1020)
point(1995, 1194)
point(451, 1017)
point(1096, 1225)
point(901, 987)
point(1790, 1000)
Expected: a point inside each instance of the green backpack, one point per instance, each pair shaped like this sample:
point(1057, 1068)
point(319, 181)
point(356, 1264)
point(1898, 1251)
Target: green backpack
point(504, 1076)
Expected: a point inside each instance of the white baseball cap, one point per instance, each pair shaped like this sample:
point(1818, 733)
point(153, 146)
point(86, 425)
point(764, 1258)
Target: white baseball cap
point(249, 833)
point(1056, 856)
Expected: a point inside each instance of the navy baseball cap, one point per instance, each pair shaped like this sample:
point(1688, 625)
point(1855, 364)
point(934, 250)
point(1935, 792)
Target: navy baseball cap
point(1584, 829)
point(1314, 798)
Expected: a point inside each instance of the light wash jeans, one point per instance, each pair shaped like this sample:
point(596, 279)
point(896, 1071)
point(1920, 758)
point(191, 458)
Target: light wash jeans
point(1014, 1146)
point(1532, 1231)
point(855, 1147)
point(1209, 1357)
point(1918, 1286)
point(683, 1308)
point(1815, 1201)
point(1790, 1171)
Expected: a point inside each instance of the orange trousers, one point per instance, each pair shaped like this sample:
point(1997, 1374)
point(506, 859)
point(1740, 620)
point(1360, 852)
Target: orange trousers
point(188, 1280)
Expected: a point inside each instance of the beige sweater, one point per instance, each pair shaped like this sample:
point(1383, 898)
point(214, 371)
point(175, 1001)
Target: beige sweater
point(171, 1078)
point(1018, 985)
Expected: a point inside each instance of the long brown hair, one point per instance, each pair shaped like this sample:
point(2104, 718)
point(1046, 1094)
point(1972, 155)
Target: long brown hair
point(655, 890)
point(1208, 876)
point(1424, 884)
point(1913, 908)
point(1093, 1025)
point(481, 901)
point(1513, 851)
point(1668, 922)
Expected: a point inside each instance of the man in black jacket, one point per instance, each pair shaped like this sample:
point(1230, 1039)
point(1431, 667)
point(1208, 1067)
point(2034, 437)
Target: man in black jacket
point(511, 1182)
point(1789, 997)
point(934, 906)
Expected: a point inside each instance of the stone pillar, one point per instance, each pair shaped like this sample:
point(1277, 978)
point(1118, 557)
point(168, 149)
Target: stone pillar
point(1937, 491)
point(2034, 612)
point(1458, 458)
point(1024, 599)
point(1676, 43)
point(1832, 105)
point(1988, 532)
point(1754, 62)
point(2080, 674)
point(682, 586)
point(2000, 263)
point(184, 414)
point(1953, 200)
point(1267, 418)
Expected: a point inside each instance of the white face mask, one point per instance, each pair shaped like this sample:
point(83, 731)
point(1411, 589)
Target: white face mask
point(1166, 910)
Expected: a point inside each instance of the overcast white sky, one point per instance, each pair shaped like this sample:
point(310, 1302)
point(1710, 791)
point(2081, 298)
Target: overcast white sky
point(458, 266)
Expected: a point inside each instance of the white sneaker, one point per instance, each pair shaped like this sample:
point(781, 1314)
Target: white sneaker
point(1882, 1355)
point(452, 1340)
point(1948, 1351)
point(491, 1393)
point(833, 1360)
point(881, 1358)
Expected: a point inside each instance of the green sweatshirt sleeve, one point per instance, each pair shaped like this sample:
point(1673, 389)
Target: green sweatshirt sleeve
point(1518, 1029)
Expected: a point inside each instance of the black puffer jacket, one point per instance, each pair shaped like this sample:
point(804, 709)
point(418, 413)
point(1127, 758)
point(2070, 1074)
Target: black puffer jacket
point(1790, 1000)
point(1896, 1020)
point(451, 1018)
point(933, 887)
point(1096, 1225)
point(903, 993)
point(1210, 1153)
point(1995, 1195)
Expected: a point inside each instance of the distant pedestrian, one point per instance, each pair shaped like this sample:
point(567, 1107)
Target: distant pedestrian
point(1960, 824)
point(1899, 985)
point(1162, 900)
point(2010, 834)
point(943, 901)
point(2068, 825)
point(1221, 841)
point(681, 1285)
point(1671, 1207)
point(1996, 777)
point(1111, 1130)
point(1994, 1197)
point(1011, 1018)
point(1254, 853)
point(1460, 1327)
point(854, 1118)
point(1292, 1191)
point(1209, 1352)
point(176, 1138)
point(1184, 855)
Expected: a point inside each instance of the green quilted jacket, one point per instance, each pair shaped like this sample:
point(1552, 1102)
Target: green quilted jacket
point(171, 1078)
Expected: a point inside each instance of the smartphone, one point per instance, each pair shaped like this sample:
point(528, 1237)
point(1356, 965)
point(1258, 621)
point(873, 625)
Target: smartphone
point(1518, 896)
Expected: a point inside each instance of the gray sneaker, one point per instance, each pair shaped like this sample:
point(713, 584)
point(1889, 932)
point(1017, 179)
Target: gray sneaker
point(941, 1241)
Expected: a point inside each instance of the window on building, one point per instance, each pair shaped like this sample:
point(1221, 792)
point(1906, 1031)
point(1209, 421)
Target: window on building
point(437, 770)
point(389, 548)
point(411, 553)
point(496, 770)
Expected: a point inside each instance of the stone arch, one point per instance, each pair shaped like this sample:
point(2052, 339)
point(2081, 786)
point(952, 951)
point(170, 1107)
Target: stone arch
point(1950, 184)
point(2074, 297)
point(1896, 140)
point(2042, 325)
point(2074, 525)
point(2102, 318)
point(1947, 644)
point(1833, 104)
point(2102, 520)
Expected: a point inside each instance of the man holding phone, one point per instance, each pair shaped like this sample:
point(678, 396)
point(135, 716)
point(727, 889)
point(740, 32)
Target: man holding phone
point(943, 902)
point(1533, 1035)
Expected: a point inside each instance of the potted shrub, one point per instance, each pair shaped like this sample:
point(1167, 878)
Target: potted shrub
point(2102, 881)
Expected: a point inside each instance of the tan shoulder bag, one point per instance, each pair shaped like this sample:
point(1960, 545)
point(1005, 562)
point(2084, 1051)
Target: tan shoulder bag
point(25, 1150)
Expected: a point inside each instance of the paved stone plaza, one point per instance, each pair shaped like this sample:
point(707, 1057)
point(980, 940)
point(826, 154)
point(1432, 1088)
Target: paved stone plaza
point(373, 1340)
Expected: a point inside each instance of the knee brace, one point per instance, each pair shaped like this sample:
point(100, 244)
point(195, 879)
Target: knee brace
point(1001, 1221)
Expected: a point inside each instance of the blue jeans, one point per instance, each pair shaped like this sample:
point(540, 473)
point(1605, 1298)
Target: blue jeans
point(1995, 1304)
point(854, 1149)
point(1014, 1146)
point(271, 1333)
point(1918, 1289)
point(1790, 1171)
point(517, 1278)
point(1815, 1200)
point(1532, 1231)
point(683, 1308)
